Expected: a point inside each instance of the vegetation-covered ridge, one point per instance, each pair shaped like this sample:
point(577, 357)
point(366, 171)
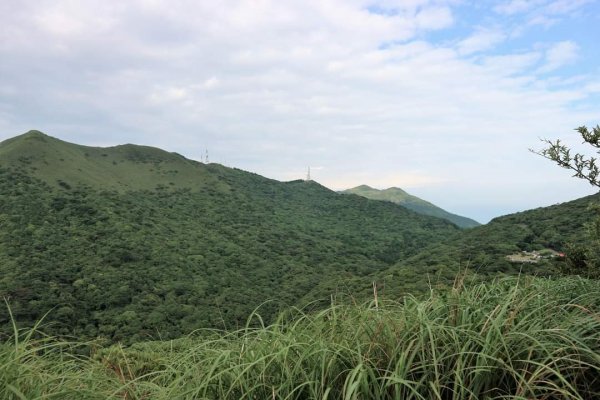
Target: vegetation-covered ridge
point(129, 263)
point(401, 197)
point(166, 254)
point(511, 339)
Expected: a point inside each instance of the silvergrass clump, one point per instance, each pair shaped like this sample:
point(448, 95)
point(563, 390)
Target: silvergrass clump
point(511, 339)
point(34, 366)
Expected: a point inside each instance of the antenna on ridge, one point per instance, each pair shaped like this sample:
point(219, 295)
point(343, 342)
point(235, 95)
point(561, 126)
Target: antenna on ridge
point(206, 157)
point(308, 175)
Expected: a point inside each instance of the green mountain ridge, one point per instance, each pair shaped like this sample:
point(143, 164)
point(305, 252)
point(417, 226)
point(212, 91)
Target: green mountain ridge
point(133, 243)
point(401, 197)
point(130, 242)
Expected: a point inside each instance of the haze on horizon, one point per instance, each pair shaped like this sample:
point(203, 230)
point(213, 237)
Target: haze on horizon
point(442, 98)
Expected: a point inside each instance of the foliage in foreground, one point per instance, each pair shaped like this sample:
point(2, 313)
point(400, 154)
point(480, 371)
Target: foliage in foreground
point(508, 340)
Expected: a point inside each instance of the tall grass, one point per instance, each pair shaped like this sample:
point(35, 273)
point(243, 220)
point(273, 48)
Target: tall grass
point(507, 340)
point(34, 366)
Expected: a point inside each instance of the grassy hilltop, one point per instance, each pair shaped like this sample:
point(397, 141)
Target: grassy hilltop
point(122, 168)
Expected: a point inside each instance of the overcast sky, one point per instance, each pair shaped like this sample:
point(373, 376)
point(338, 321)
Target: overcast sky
point(441, 98)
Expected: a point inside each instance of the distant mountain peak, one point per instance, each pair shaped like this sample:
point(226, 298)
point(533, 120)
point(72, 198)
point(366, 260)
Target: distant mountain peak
point(401, 197)
point(363, 187)
point(395, 189)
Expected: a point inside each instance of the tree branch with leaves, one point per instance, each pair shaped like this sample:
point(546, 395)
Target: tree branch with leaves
point(585, 167)
point(581, 260)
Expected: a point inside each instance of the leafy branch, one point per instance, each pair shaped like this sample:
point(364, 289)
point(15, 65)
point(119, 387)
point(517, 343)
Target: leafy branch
point(581, 259)
point(585, 167)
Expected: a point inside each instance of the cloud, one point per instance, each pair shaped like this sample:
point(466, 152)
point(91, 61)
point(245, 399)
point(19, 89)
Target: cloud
point(566, 6)
point(512, 64)
point(360, 88)
point(517, 6)
point(482, 39)
point(542, 20)
point(558, 55)
point(540, 6)
point(434, 18)
point(211, 83)
point(593, 87)
point(541, 12)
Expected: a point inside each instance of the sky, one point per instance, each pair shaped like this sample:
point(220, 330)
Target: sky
point(443, 98)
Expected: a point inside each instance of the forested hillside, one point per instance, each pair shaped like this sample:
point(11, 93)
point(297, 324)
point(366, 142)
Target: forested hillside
point(132, 242)
point(110, 255)
point(483, 251)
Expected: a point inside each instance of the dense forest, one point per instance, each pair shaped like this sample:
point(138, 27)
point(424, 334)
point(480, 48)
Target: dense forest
point(130, 264)
point(86, 237)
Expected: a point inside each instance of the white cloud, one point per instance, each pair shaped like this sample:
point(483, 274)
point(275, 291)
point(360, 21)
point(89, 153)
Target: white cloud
point(211, 83)
point(559, 55)
point(542, 12)
point(517, 6)
point(273, 87)
point(511, 65)
point(566, 6)
point(168, 94)
point(540, 6)
point(593, 87)
point(543, 20)
point(482, 39)
point(434, 18)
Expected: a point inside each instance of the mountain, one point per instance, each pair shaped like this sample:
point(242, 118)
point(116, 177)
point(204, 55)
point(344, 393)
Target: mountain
point(399, 196)
point(132, 242)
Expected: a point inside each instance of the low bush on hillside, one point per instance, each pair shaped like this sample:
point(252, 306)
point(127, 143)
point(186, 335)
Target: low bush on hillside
point(512, 339)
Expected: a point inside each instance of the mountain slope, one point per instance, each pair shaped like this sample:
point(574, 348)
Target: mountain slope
point(399, 196)
point(132, 242)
